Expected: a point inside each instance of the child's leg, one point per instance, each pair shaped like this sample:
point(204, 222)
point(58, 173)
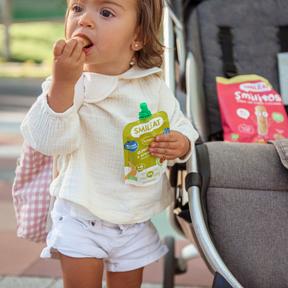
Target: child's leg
point(82, 272)
point(129, 279)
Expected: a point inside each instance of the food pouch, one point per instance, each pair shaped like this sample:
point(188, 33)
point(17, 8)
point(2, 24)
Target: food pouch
point(251, 111)
point(142, 169)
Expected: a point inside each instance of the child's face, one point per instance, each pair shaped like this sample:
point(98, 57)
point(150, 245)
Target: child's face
point(111, 26)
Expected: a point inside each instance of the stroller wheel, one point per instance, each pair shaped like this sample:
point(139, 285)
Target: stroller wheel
point(169, 263)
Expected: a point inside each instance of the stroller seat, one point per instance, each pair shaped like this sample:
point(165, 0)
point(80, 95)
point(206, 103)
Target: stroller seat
point(245, 210)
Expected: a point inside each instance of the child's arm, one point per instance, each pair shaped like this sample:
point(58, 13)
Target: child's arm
point(52, 125)
point(67, 68)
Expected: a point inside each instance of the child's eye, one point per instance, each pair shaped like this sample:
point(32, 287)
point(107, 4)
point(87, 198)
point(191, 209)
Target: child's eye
point(106, 13)
point(77, 9)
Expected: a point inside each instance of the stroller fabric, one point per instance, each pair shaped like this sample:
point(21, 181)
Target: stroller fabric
point(247, 211)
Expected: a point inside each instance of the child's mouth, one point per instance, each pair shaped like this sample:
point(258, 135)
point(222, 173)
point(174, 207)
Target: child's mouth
point(87, 44)
point(87, 48)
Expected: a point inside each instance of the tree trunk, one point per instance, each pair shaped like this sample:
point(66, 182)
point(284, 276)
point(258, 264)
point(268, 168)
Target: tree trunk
point(6, 18)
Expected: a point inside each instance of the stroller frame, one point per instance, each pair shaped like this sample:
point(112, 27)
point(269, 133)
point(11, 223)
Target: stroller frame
point(223, 277)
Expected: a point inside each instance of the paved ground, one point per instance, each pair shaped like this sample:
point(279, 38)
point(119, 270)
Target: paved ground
point(20, 265)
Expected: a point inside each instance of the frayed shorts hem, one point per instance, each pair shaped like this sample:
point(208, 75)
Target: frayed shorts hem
point(122, 247)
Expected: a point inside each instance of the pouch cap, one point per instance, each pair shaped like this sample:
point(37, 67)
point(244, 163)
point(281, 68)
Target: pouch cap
point(145, 112)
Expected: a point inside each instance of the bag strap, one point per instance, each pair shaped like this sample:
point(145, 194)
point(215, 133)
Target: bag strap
point(283, 38)
point(226, 37)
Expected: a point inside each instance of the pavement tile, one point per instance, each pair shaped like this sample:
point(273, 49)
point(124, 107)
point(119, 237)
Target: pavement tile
point(25, 282)
point(197, 273)
point(7, 217)
point(45, 268)
point(5, 191)
point(17, 254)
point(8, 162)
point(37, 282)
point(58, 284)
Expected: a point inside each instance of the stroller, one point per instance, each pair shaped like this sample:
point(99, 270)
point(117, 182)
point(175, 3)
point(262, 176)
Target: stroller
point(237, 211)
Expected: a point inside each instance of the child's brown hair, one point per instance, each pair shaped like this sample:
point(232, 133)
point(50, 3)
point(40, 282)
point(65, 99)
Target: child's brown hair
point(149, 14)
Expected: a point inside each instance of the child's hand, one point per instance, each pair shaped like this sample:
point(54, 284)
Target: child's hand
point(67, 68)
point(169, 146)
point(68, 61)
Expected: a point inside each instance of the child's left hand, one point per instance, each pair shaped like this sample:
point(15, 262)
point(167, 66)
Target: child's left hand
point(169, 146)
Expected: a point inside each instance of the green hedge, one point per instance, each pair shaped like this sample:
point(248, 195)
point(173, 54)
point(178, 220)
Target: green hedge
point(32, 10)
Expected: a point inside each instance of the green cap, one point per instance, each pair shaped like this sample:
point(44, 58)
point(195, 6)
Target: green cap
point(144, 113)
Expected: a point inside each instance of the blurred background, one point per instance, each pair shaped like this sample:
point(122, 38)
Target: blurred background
point(28, 30)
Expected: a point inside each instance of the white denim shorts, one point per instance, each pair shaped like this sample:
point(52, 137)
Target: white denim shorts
point(122, 247)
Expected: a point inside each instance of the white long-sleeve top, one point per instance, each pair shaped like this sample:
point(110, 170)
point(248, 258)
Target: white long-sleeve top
point(88, 137)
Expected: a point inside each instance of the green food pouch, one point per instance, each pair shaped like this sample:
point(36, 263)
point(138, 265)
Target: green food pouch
point(142, 169)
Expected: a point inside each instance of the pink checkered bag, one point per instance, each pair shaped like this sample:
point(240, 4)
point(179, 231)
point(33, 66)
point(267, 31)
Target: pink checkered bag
point(31, 195)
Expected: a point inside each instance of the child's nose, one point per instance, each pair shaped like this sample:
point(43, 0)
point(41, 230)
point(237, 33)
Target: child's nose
point(86, 21)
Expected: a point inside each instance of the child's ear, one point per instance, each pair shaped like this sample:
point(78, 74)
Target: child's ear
point(137, 43)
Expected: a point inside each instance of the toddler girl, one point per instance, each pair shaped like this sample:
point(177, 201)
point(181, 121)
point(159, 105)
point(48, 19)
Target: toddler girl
point(100, 75)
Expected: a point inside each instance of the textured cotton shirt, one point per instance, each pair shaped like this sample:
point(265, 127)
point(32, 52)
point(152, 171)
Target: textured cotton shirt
point(88, 138)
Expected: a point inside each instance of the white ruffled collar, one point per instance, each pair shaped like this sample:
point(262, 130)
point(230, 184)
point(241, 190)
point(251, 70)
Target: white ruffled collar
point(98, 86)
point(133, 73)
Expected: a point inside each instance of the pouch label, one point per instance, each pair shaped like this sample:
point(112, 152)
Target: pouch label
point(142, 169)
point(143, 128)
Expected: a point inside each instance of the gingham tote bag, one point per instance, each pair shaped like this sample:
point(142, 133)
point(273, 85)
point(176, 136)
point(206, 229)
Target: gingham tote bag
point(30, 193)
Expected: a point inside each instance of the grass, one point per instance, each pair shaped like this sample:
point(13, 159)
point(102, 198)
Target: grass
point(32, 40)
point(30, 43)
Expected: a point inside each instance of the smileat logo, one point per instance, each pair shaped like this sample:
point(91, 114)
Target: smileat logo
point(255, 87)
